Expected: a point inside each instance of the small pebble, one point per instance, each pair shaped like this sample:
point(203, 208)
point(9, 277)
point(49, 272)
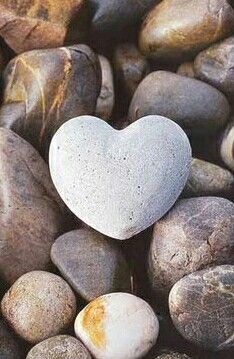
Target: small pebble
point(59, 347)
point(202, 307)
point(226, 145)
point(117, 326)
point(81, 253)
point(39, 305)
point(196, 233)
point(173, 355)
point(186, 69)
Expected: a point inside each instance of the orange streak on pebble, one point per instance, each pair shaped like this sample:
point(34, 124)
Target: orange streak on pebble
point(93, 322)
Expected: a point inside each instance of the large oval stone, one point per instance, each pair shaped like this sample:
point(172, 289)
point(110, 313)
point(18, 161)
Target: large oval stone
point(120, 182)
point(31, 215)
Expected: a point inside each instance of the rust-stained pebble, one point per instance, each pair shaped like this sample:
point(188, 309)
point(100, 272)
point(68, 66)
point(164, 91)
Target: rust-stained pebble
point(195, 234)
point(202, 307)
point(39, 305)
point(179, 29)
point(31, 215)
point(45, 88)
point(59, 347)
point(33, 24)
point(117, 326)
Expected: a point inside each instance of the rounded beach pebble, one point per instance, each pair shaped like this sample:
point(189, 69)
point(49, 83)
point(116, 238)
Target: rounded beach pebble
point(59, 347)
point(202, 307)
point(196, 233)
point(39, 305)
point(117, 326)
point(141, 170)
point(81, 253)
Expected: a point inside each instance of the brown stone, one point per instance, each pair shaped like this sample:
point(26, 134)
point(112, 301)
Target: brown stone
point(208, 179)
point(39, 305)
point(30, 211)
point(215, 66)
point(195, 234)
point(186, 69)
point(59, 347)
point(202, 307)
point(36, 24)
point(196, 106)
point(177, 30)
point(45, 88)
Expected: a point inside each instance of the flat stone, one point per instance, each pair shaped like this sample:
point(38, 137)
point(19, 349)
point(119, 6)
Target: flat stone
point(202, 307)
point(59, 347)
point(45, 88)
point(215, 66)
point(196, 106)
point(196, 233)
point(35, 25)
point(39, 305)
point(9, 345)
point(31, 214)
point(178, 30)
point(208, 179)
point(120, 182)
point(117, 325)
point(81, 253)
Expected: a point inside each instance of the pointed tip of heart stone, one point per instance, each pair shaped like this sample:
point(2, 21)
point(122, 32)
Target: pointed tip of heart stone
point(120, 182)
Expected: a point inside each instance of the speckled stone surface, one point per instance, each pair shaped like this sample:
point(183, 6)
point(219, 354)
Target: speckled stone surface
point(117, 325)
point(202, 307)
point(120, 182)
point(59, 347)
point(195, 234)
point(39, 305)
point(92, 264)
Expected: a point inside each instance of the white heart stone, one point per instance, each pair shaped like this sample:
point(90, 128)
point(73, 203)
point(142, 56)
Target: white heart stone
point(117, 326)
point(119, 182)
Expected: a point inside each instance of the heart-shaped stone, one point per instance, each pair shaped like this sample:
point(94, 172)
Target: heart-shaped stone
point(119, 182)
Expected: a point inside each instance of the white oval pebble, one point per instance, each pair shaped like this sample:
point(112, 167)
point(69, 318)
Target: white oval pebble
point(119, 182)
point(117, 326)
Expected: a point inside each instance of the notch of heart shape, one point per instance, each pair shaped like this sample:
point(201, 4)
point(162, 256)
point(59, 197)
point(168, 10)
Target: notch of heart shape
point(119, 182)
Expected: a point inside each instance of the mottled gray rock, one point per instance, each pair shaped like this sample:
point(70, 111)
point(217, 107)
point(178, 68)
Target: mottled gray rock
point(226, 146)
point(39, 305)
point(130, 68)
point(59, 347)
point(179, 29)
point(31, 215)
point(202, 307)
point(106, 99)
point(215, 65)
point(196, 106)
point(9, 346)
point(81, 253)
point(208, 179)
point(120, 182)
point(195, 234)
point(172, 355)
point(186, 69)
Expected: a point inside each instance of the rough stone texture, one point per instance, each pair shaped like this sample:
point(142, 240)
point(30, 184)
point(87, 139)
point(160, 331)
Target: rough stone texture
point(194, 105)
point(39, 305)
point(120, 182)
point(31, 215)
point(202, 307)
point(106, 99)
point(172, 355)
point(9, 346)
point(45, 88)
point(186, 69)
point(208, 179)
point(130, 68)
point(113, 16)
point(195, 234)
point(59, 347)
point(215, 65)
point(113, 316)
point(226, 146)
point(81, 253)
point(179, 29)
point(32, 24)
